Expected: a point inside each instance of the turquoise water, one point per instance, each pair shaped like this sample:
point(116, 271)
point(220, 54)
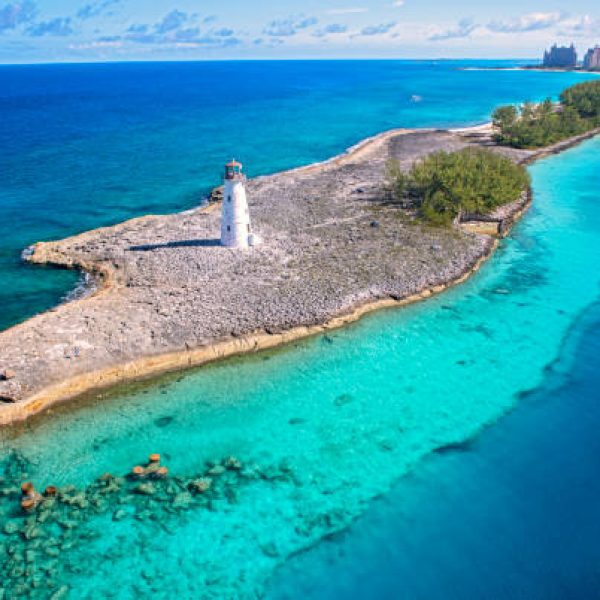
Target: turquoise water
point(88, 145)
point(325, 426)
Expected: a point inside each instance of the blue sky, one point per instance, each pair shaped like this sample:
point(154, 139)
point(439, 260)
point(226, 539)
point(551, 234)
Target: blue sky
point(108, 30)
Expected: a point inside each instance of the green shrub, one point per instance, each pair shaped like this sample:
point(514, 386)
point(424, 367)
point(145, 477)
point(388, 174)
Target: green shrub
point(446, 185)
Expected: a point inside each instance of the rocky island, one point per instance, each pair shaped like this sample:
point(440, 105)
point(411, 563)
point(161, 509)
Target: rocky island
point(168, 296)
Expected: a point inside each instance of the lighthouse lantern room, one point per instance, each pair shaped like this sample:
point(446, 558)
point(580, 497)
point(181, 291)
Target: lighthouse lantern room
point(235, 219)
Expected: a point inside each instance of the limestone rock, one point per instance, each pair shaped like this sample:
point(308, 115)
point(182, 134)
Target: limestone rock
point(7, 375)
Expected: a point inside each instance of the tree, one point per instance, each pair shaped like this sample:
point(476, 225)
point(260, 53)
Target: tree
point(529, 111)
point(505, 117)
point(546, 108)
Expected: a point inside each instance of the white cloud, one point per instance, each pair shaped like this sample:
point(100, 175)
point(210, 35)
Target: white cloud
point(529, 22)
point(17, 13)
point(172, 21)
point(333, 29)
point(353, 10)
point(95, 8)
point(290, 26)
point(176, 29)
point(376, 30)
point(464, 29)
point(585, 26)
point(95, 45)
point(56, 27)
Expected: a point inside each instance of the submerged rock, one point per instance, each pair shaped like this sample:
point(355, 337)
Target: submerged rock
point(119, 515)
point(31, 532)
point(232, 463)
point(200, 485)
point(217, 470)
point(182, 500)
point(343, 399)
point(79, 500)
point(60, 594)
point(270, 550)
point(145, 489)
point(11, 527)
point(9, 491)
point(231, 494)
point(164, 421)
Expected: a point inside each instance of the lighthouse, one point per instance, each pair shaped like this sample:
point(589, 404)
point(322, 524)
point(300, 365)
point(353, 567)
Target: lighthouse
point(235, 217)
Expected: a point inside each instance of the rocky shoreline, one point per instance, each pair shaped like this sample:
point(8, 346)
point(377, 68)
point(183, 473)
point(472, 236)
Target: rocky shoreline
point(170, 297)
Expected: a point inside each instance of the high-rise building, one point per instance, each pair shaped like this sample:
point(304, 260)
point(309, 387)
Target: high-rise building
point(591, 62)
point(561, 56)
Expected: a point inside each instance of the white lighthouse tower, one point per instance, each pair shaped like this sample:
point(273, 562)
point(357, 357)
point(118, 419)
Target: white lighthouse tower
point(235, 219)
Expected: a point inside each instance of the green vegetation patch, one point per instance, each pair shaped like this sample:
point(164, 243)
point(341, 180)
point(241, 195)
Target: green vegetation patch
point(585, 99)
point(444, 186)
point(539, 125)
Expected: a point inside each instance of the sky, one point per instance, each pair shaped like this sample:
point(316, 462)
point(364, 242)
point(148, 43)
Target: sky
point(33, 31)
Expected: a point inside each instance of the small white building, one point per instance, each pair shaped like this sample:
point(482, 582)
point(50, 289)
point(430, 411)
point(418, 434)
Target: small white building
point(236, 231)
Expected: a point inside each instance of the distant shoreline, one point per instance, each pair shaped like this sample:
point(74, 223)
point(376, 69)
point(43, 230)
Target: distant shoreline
point(42, 350)
point(538, 68)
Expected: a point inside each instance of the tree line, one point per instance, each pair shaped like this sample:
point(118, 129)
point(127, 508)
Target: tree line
point(537, 125)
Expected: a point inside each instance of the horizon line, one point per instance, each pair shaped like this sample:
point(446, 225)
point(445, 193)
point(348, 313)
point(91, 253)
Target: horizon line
point(232, 60)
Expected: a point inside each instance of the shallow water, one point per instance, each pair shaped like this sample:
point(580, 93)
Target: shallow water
point(88, 145)
point(332, 422)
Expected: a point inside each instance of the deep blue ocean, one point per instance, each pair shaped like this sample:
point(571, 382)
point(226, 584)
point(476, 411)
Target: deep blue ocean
point(446, 450)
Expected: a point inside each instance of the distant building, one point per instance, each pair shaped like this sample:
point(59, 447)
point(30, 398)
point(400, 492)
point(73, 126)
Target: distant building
point(561, 56)
point(591, 62)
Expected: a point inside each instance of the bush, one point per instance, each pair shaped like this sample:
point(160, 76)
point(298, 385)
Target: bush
point(446, 185)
